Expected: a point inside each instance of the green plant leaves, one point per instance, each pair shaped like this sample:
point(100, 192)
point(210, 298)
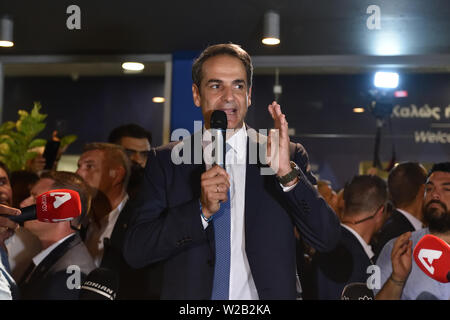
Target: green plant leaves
point(16, 139)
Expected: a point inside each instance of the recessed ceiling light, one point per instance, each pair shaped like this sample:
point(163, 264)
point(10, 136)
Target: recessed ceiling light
point(271, 41)
point(158, 99)
point(358, 110)
point(133, 66)
point(6, 44)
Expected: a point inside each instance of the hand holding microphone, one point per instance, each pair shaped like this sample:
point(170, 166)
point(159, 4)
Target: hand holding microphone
point(215, 182)
point(7, 226)
point(401, 258)
point(52, 206)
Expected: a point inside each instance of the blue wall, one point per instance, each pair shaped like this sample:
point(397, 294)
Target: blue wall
point(89, 107)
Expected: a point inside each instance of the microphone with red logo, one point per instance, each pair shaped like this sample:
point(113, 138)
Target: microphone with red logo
point(52, 206)
point(432, 255)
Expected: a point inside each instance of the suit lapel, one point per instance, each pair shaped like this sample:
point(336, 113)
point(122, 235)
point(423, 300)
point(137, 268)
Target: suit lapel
point(53, 257)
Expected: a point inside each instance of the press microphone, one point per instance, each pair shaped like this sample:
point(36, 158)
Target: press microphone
point(219, 122)
point(52, 206)
point(432, 255)
point(100, 284)
point(357, 291)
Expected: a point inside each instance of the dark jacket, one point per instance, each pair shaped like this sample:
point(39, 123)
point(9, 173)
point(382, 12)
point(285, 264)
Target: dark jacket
point(167, 225)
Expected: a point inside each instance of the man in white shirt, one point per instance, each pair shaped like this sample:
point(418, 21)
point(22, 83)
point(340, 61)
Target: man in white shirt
point(406, 185)
point(63, 251)
point(181, 207)
point(365, 199)
point(105, 168)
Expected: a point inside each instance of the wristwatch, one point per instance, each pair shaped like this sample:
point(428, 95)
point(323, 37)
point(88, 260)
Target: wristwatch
point(294, 173)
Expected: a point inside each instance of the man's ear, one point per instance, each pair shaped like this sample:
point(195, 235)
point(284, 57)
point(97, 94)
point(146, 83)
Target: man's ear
point(196, 95)
point(118, 175)
point(249, 98)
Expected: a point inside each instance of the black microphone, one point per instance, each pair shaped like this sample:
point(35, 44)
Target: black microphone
point(100, 284)
point(357, 291)
point(425, 295)
point(219, 122)
point(28, 213)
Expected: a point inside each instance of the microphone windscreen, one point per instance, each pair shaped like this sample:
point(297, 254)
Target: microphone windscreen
point(100, 284)
point(432, 256)
point(426, 296)
point(357, 291)
point(58, 205)
point(219, 120)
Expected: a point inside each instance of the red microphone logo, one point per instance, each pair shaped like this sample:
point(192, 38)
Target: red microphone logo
point(58, 205)
point(432, 256)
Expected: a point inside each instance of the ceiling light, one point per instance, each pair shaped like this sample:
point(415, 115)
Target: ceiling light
point(6, 32)
point(358, 110)
point(133, 66)
point(271, 28)
point(158, 99)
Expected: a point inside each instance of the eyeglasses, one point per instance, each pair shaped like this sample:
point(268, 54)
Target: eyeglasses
point(143, 154)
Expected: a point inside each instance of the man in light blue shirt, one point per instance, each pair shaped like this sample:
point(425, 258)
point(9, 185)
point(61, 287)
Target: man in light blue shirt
point(400, 276)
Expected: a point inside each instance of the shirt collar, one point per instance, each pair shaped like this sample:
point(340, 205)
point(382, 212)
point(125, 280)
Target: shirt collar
point(44, 253)
point(417, 224)
point(367, 248)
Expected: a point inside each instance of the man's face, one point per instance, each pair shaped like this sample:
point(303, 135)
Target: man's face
point(93, 167)
point(437, 202)
point(5, 189)
point(35, 226)
point(137, 149)
point(224, 87)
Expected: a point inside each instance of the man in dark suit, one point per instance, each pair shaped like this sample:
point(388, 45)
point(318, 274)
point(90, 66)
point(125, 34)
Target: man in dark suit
point(228, 234)
point(365, 199)
point(406, 186)
point(58, 270)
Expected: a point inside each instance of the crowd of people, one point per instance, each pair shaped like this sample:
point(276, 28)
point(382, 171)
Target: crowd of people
point(204, 231)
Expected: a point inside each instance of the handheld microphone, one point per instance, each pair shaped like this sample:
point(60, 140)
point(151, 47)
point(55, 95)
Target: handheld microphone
point(100, 284)
point(219, 122)
point(357, 291)
point(52, 206)
point(432, 255)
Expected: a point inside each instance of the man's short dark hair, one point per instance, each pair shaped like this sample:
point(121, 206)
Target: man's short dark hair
point(230, 49)
point(129, 130)
point(364, 193)
point(442, 166)
point(404, 182)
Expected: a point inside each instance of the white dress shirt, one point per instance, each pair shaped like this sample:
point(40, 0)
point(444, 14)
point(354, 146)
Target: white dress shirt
point(44, 253)
point(95, 234)
point(367, 248)
point(417, 224)
point(242, 285)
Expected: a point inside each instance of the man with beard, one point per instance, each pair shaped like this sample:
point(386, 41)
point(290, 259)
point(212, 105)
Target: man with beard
point(400, 277)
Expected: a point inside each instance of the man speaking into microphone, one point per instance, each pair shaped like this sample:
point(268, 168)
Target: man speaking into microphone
point(228, 232)
point(401, 276)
